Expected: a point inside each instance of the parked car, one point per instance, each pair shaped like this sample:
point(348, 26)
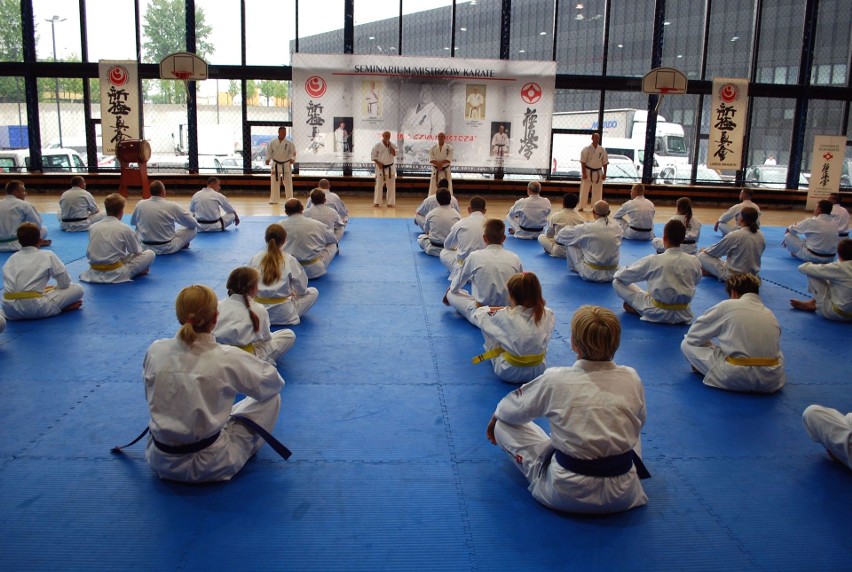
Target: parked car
point(619, 170)
point(53, 160)
point(680, 174)
point(771, 177)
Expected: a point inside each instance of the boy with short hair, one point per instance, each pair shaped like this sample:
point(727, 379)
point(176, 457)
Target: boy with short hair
point(26, 294)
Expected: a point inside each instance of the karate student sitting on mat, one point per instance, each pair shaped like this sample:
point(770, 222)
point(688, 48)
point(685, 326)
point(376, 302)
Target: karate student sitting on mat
point(245, 323)
point(190, 384)
point(283, 287)
point(596, 410)
point(516, 336)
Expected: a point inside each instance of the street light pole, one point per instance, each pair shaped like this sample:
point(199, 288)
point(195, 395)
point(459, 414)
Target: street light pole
point(53, 21)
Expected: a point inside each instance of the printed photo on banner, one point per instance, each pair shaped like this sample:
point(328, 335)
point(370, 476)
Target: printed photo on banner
point(500, 133)
point(343, 135)
point(424, 118)
point(372, 98)
point(475, 102)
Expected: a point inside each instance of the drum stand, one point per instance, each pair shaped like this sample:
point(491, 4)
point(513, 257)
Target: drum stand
point(133, 176)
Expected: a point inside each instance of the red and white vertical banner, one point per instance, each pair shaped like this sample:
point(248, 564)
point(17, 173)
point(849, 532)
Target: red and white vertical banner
point(826, 168)
point(727, 123)
point(120, 102)
point(342, 104)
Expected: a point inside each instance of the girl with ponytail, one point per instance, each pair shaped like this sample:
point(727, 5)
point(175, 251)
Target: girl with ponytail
point(741, 248)
point(245, 323)
point(283, 288)
point(693, 228)
point(191, 383)
point(516, 336)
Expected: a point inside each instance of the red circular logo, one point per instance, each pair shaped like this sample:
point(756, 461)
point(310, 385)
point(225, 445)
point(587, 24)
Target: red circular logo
point(118, 75)
point(315, 86)
point(531, 92)
point(729, 93)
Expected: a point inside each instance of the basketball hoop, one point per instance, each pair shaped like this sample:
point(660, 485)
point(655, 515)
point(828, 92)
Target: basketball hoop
point(664, 81)
point(183, 66)
point(183, 76)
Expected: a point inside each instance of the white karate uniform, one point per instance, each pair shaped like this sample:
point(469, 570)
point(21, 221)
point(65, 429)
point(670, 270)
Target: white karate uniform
point(292, 285)
point(279, 154)
point(528, 216)
point(335, 202)
point(595, 410)
point(813, 239)
point(488, 270)
point(234, 328)
point(329, 217)
point(190, 392)
point(514, 329)
point(831, 428)
point(730, 219)
point(386, 175)
point(500, 146)
point(475, 101)
point(690, 241)
point(77, 203)
point(438, 153)
point(13, 212)
point(110, 242)
point(672, 279)
point(592, 249)
point(840, 216)
point(155, 220)
point(744, 328)
point(30, 270)
point(372, 101)
point(556, 222)
point(831, 285)
point(212, 206)
point(742, 249)
point(438, 224)
point(311, 242)
point(428, 204)
point(594, 158)
point(464, 238)
point(636, 218)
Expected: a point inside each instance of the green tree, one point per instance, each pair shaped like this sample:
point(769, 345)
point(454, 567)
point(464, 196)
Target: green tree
point(271, 88)
point(165, 33)
point(11, 49)
point(234, 88)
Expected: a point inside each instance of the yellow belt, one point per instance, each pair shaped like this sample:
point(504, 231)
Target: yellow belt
point(21, 295)
point(663, 306)
point(249, 348)
point(512, 359)
point(271, 301)
point(107, 267)
point(754, 361)
point(840, 312)
point(601, 267)
point(311, 261)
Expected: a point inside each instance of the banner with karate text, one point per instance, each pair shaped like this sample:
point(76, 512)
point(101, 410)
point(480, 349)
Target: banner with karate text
point(496, 114)
point(727, 123)
point(120, 102)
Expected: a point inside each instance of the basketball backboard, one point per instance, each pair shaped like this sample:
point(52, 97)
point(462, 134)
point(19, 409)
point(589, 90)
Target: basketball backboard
point(183, 66)
point(665, 81)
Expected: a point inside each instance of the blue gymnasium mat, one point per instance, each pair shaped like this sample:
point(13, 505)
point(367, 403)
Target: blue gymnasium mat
point(386, 417)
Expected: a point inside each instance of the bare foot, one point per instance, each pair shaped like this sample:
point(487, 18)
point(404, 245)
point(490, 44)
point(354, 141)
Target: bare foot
point(377, 205)
point(75, 306)
point(705, 273)
point(391, 206)
point(805, 305)
point(46, 242)
point(630, 309)
point(185, 246)
point(511, 230)
point(444, 299)
point(144, 272)
point(694, 370)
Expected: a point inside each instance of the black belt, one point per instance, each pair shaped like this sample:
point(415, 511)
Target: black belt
point(155, 242)
point(438, 244)
point(843, 233)
point(820, 254)
point(214, 221)
point(612, 466)
point(75, 219)
point(386, 170)
point(637, 229)
point(276, 166)
point(528, 229)
point(186, 449)
point(687, 242)
point(276, 445)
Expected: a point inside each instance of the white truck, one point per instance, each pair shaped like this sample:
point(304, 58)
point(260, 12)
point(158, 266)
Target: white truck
point(217, 146)
point(623, 133)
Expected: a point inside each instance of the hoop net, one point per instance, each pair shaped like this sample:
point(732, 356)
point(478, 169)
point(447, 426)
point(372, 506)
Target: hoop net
point(183, 75)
